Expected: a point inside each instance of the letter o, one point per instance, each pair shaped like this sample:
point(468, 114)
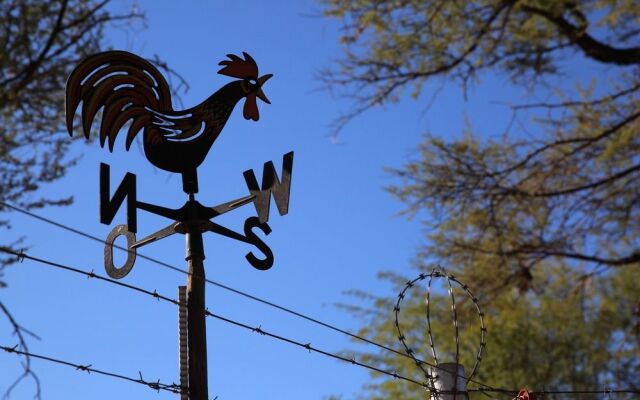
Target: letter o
point(112, 271)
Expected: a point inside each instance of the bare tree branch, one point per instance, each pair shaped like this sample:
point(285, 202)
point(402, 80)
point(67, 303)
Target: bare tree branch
point(591, 47)
point(27, 372)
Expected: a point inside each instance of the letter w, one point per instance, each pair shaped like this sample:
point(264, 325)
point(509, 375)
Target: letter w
point(271, 184)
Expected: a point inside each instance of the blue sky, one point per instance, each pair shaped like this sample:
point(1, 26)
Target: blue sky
point(341, 230)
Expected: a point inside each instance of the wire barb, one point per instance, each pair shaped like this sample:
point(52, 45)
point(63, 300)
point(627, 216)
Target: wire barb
point(86, 368)
point(10, 349)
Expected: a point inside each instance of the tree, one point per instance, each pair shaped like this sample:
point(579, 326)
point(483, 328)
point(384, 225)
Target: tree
point(41, 43)
point(522, 216)
point(572, 193)
point(576, 334)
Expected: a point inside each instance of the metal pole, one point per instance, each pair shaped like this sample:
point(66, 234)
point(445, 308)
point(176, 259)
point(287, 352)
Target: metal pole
point(196, 324)
point(450, 382)
point(183, 346)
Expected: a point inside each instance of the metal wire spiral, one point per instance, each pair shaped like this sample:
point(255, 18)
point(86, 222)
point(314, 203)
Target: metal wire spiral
point(440, 272)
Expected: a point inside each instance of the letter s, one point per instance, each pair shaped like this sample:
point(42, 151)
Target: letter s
point(267, 262)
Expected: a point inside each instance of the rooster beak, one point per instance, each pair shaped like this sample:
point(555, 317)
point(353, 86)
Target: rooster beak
point(259, 92)
point(262, 96)
point(263, 79)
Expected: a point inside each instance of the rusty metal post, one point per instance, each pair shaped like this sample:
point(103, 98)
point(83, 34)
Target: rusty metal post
point(182, 342)
point(196, 318)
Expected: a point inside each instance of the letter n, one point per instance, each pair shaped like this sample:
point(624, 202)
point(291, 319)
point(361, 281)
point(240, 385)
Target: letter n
point(109, 206)
point(271, 184)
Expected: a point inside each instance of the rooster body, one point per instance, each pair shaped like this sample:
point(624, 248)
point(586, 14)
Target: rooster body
point(129, 88)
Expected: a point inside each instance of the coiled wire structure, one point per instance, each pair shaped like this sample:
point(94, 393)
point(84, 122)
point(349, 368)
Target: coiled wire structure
point(440, 272)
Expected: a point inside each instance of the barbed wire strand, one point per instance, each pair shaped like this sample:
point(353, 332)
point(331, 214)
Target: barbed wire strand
point(440, 272)
point(157, 385)
point(230, 289)
point(156, 295)
point(307, 346)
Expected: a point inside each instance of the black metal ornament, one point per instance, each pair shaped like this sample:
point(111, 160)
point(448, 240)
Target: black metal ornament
point(130, 90)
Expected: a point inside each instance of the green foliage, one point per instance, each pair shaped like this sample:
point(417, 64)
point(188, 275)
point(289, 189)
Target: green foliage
point(569, 334)
point(392, 45)
point(543, 222)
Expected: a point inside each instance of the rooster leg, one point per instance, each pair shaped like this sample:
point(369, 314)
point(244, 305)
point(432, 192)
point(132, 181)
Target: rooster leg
point(190, 181)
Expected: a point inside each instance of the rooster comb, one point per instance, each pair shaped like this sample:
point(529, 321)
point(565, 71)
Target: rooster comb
point(239, 68)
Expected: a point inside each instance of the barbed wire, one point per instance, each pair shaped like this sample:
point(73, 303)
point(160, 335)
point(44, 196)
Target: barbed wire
point(229, 288)
point(440, 272)
point(157, 385)
point(305, 345)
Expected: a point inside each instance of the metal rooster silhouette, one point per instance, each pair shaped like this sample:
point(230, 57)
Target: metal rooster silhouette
point(130, 88)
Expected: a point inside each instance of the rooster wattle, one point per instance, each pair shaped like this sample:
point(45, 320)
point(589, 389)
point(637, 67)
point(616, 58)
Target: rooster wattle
point(129, 88)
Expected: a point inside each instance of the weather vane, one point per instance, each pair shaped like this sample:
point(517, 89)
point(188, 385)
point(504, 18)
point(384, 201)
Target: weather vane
point(129, 89)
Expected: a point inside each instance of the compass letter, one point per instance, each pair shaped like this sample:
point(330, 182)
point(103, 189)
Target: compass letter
point(267, 262)
point(109, 206)
point(271, 184)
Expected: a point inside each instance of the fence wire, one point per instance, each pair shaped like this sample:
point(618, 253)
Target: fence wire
point(156, 385)
point(487, 390)
point(232, 290)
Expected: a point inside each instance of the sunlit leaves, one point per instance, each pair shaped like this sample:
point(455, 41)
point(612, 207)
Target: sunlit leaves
point(544, 221)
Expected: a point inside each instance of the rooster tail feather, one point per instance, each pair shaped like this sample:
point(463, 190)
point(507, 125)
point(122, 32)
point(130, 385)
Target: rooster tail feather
point(134, 128)
point(124, 85)
point(115, 103)
point(111, 89)
point(110, 114)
